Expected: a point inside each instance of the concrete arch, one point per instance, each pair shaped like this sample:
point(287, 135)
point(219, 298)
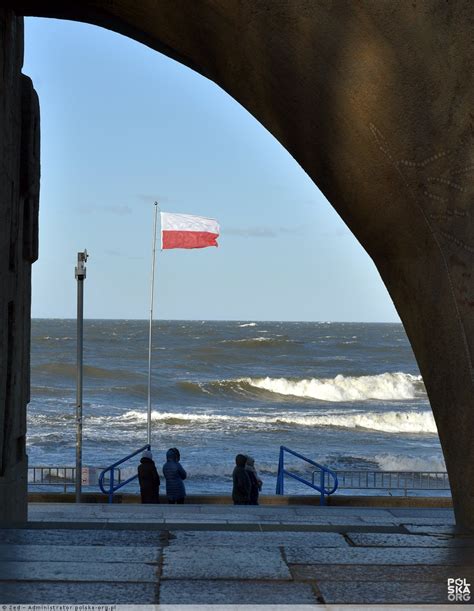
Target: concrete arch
point(373, 100)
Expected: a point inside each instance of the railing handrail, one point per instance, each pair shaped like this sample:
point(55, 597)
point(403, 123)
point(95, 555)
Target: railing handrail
point(111, 468)
point(391, 480)
point(322, 489)
point(62, 475)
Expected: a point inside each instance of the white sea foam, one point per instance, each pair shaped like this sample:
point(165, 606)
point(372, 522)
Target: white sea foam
point(249, 324)
point(251, 340)
point(389, 422)
point(385, 387)
point(403, 462)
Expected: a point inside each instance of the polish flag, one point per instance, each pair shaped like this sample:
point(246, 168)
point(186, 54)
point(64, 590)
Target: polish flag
point(187, 231)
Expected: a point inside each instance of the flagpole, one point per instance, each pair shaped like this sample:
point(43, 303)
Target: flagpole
point(151, 325)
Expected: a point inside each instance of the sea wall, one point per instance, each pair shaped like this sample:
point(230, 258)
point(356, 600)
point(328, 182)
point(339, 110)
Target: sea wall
point(19, 200)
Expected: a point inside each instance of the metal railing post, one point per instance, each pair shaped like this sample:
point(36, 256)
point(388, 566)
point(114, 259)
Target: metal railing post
point(111, 493)
point(279, 485)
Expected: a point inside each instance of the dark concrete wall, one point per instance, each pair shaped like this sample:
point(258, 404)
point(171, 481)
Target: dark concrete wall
point(374, 100)
point(19, 196)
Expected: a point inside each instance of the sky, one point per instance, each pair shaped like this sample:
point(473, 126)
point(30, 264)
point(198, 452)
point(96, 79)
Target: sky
point(123, 126)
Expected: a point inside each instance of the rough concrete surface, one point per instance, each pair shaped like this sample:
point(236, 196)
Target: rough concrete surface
point(236, 593)
point(218, 562)
point(223, 563)
point(455, 556)
point(401, 540)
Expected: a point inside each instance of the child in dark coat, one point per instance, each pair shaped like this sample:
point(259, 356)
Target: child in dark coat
point(149, 479)
point(241, 482)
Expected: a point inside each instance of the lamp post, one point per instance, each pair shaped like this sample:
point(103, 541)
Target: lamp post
point(80, 274)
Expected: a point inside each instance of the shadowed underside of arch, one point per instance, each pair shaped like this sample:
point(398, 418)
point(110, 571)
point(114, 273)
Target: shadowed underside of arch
point(374, 100)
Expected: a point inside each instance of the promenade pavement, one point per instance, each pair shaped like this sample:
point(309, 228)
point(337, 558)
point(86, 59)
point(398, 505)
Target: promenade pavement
point(221, 554)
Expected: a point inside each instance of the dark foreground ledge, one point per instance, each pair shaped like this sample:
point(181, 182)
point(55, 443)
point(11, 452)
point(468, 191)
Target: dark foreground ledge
point(276, 500)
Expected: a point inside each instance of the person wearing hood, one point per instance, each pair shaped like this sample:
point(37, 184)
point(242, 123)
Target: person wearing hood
point(174, 475)
point(255, 481)
point(241, 482)
point(149, 479)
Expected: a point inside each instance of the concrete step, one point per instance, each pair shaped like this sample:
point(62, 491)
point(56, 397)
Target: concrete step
point(338, 500)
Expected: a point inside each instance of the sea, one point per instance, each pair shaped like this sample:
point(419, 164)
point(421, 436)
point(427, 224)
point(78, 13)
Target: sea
point(346, 395)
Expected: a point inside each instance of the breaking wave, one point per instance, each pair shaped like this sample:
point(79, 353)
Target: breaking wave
point(403, 462)
point(388, 422)
point(249, 324)
point(384, 387)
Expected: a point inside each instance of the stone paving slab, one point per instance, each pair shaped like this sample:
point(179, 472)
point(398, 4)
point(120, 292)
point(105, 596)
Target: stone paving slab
point(51, 593)
point(383, 592)
point(215, 562)
point(370, 555)
point(78, 571)
point(393, 521)
point(235, 593)
point(399, 540)
point(257, 539)
point(426, 521)
point(29, 536)
point(348, 573)
point(430, 530)
point(422, 512)
point(177, 520)
point(74, 553)
point(327, 511)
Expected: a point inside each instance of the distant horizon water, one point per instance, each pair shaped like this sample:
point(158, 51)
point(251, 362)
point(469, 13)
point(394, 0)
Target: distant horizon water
point(242, 320)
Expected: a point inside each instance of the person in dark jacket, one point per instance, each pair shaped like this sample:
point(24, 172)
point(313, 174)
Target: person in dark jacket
point(241, 482)
point(149, 479)
point(174, 475)
point(255, 481)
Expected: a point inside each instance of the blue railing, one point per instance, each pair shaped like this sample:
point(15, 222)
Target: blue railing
point(113, 488)
point(322, 488)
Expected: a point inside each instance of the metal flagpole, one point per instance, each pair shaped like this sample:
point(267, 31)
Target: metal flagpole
point(151, 326)
point(80, 273)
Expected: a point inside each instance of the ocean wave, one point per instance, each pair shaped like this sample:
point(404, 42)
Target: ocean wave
point(403, 462)
point(69, 370)
point(249, 324)
point(252, 342)
point(385, 387)
point(388, 422)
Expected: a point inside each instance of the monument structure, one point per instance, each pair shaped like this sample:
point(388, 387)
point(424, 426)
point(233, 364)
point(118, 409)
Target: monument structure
point(374, 101)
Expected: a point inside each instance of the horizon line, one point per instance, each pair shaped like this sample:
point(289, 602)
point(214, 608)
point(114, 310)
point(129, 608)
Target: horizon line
point(246, 320)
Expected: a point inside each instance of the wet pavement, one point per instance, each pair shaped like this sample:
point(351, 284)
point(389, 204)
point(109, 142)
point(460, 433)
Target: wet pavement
point(215, 554)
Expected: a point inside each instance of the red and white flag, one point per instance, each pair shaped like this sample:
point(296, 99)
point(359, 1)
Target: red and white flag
point(187, 231)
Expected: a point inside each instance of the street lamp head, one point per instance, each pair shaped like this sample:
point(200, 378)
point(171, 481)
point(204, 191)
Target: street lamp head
point(80, 271)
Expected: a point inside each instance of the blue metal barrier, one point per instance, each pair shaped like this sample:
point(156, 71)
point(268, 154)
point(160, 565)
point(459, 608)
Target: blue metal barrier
point(322, 489)
point(113, 488)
